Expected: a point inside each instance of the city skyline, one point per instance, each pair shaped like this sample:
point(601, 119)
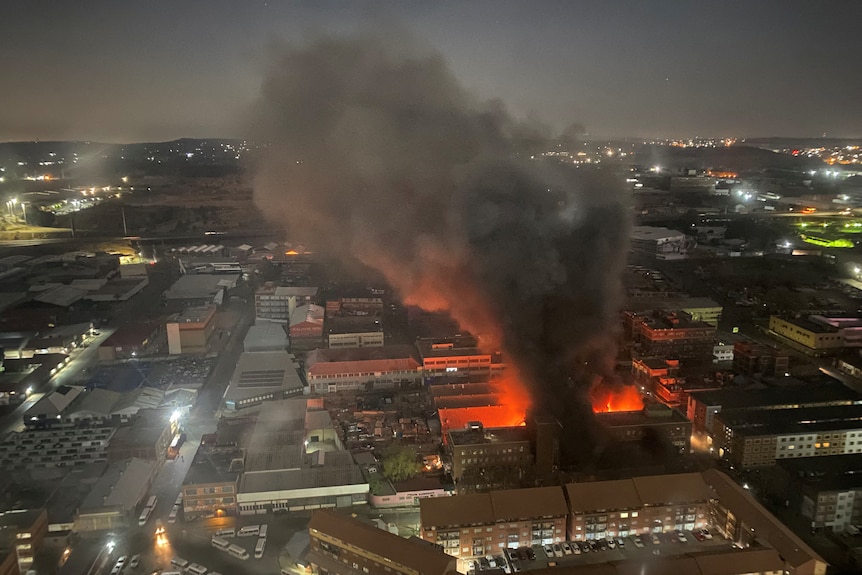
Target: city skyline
point(125, 73)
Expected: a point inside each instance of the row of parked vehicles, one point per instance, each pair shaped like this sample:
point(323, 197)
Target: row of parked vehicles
point(513, 559)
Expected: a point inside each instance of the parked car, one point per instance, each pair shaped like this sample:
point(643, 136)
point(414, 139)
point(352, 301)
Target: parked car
point(549, 551)
point(558, 551)
point(655, 540)
point(636, 539)
point(681, 536)
point(567, 549)
point(611, 543)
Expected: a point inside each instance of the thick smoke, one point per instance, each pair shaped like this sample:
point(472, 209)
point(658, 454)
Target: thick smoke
point(378, 153)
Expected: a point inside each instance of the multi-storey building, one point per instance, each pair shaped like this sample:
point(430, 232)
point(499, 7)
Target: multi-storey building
point(704, 405)
point(354, 369)
point(28, 528)
point(672, 335)
point(342, 545)
point(660, 243)
point(661, 377)
point(760, 438)
point(757, 360)
point(489, 456)
point(210, 486)
point(276, 303)
point(453, 359)
point(191, 330)
point(739, 517)
point(828, 494)
point(655, 420)
point(817, 335)
point(652, 504)
point(470, 526)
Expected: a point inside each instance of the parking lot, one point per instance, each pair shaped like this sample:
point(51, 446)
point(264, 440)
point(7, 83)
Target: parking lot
point(597, 551)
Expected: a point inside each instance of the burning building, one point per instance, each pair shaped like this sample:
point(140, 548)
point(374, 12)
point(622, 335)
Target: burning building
point(377, 154)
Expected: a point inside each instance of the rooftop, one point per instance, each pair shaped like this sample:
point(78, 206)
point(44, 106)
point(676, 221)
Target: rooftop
point(448, 347)
point(212, 467)
point(653, 233)
point(322, 362)
point(832, 473)
point(195, 314)
point(779, 397)
point(308, 313)
point(637, 492)
point(200, 286)
point(745, 508)
point(800, 420)
point(259, 372)
point(522, 504)
point(417, 555)
point(121, 485)
point(642, 417)
point(55, 402)
point(266, 336)
point(808, 325)
point(488, 435)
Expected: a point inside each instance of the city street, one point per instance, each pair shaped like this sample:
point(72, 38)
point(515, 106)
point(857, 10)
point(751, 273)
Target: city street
point(79, 359)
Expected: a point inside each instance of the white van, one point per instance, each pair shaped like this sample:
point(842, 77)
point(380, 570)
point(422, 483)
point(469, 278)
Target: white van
point(179, 562)
point(238, 552)
point(225, 533)
point(249, 531)
point(259, 548)
point(262, 532)
point(220, 543)
point(172, 517)
point(196, 569)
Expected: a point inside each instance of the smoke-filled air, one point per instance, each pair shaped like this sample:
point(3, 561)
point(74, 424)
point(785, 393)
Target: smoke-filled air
point(378, 153)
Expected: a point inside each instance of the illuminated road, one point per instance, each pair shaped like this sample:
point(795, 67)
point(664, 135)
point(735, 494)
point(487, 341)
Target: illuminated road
point(79, 359)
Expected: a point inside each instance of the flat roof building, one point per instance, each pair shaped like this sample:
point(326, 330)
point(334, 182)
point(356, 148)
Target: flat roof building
point(356, 369)
point(265, 336)
point(191, 330)
point(660, 243)
point(262, 376)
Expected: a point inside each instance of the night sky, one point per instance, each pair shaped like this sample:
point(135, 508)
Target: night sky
point(124, 71)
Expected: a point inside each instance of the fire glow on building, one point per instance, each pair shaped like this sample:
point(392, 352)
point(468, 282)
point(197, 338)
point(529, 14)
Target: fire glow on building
point(379, 155)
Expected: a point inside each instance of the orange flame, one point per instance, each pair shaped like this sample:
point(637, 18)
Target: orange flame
point(607, 398)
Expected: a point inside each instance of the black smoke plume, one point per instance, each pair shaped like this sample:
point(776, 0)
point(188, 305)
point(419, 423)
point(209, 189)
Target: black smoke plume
point(378, 154)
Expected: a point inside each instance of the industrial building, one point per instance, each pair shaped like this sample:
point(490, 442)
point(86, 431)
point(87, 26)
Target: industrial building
point(114, 500)
point(191, 330)
point(306, 327)
point(672, 335)
point(210, 485)
point(654, 422)
point(262, 376)
point(489, 454)
point(817, 335)
point(698, 308)
point(130, 340)
point(277, 303)
point(357, 369)
point(201, 289)
point(756, 360)
point(342, 545)
point(659, 243)
point(265, 336)
point(295, 461)
point(456, 359)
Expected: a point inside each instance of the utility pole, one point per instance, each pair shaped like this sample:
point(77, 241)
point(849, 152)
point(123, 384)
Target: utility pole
point(72, 223)
point(123, 211)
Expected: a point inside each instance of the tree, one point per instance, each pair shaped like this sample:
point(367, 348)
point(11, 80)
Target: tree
point(399, 463)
